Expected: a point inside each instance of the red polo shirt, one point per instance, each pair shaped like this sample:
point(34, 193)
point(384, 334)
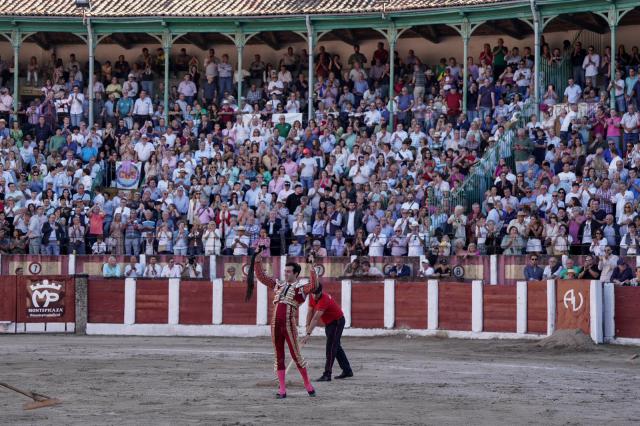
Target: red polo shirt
point(332, 310)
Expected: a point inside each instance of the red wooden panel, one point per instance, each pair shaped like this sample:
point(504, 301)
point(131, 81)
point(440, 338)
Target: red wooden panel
point(334, 288)
point(196, 302)
point(234, 309)
point(537, 307)
point(152, 301)
point(106, 301)
point(67, 298)
point(8, 299)
point(627, 314)
point(454, 306)
point(411, 305)
point(367, 305)
point(499, 305)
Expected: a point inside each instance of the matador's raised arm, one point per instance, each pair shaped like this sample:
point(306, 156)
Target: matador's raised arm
point(314, 281)
point(262, 275)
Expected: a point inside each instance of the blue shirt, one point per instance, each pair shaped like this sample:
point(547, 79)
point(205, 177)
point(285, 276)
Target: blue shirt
point(88, 152)
point(111, 272)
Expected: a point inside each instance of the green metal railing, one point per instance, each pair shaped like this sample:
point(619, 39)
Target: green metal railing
point(477, 182)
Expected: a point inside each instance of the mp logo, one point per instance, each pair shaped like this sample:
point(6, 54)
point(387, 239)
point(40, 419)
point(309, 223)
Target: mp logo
point(572, 300)
point(49, 292)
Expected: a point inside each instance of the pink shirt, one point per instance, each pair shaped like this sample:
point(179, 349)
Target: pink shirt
point(613, 126)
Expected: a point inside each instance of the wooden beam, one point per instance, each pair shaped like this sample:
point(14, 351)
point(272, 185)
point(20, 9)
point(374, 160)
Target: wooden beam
point(590, 23)
point(197, 40)
point(121, 40)
point(40, 39)
point(345, 36)
point(269, 40)
point(507, 30)
point(428, 32)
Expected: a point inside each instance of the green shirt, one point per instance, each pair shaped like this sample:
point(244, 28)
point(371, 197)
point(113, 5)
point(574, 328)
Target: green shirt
point(523, 148)
point(56, 143)
point(284, 129)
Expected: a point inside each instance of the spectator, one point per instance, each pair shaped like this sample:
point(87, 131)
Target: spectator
point(570, 271)
point(533, 272)
point(111, 269)
point(133, 269)
point(622, 274)
point(152, 270)
point(192, 269)
point(370, 271)
point(589, 270)
point(171, 270)
point(426, 270)
point(399, 270)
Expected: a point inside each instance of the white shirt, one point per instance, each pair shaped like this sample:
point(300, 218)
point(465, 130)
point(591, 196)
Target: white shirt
point(144, 150)
point(143, 107)
point(75, 101)
point(591, 64)
point(573, 93)
point(630, 121)
point(171, 272)
point(376, 244)
point(240, 250)
point(308, 165)
point(152, 271)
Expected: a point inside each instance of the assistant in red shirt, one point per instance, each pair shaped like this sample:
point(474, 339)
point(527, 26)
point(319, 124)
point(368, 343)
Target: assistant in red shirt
point(322, 307)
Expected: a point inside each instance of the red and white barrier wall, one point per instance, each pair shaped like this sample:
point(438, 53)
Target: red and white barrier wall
point(216, 307)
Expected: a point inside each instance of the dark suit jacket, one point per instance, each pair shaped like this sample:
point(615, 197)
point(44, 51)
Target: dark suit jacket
point(47, 229)
point(357, 221)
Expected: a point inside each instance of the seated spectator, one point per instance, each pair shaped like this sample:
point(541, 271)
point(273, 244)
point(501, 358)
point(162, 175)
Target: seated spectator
point(570, 270)
point(370, 271)
point(111, 269)
point(399, 270)
point(152, 270)
point(133, 269)
point(426, 270)
point(442, 269)
point(622, 274)
point(552, 270)
point(192, 269)
point(171, 270)
point(533, 272)
point(589, 270)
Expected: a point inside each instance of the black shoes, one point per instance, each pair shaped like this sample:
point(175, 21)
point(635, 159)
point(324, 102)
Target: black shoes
point(312, 392)
point(344, 375)
point(281, 396)
point(324, 378)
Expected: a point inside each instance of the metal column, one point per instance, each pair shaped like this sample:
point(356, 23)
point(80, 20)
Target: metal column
point(310, 37)
point(91, 42)
point(536, 55)
point(166, 45)
point(613, 25)
point(392, 36)
point(465, 68)
point(240, 47)
point(16, 41)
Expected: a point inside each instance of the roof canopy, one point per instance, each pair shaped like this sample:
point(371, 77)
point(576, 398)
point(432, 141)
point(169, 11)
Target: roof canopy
point(226, 8)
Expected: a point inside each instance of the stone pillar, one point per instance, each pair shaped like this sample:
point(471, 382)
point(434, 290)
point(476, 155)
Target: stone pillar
point(82, 309)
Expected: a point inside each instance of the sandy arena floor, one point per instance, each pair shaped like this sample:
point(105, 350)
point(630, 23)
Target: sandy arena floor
point(398, 380)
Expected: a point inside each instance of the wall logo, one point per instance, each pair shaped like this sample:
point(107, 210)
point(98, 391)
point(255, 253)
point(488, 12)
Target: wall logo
point(45, 299)
point(35, 268)
point(573, 300)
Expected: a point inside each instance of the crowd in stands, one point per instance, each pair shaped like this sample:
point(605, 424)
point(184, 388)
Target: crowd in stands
point(228, 172)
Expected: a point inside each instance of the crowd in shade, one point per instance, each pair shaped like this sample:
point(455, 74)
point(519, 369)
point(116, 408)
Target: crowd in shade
point(223, 172)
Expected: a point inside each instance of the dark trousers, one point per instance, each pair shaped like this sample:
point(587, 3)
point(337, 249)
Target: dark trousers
point(333, 331)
